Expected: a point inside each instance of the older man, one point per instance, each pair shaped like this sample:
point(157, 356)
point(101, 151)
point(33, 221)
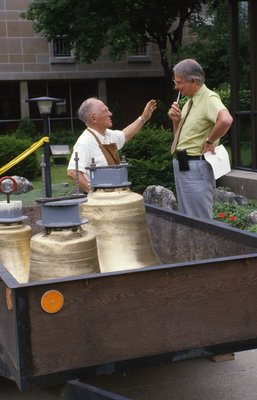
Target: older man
point(203, 121)
point(98, 140)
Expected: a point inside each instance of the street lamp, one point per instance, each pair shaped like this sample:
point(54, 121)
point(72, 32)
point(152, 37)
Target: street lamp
point(45, 106)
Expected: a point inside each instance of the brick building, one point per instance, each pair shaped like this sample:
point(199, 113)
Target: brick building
point(32, 67)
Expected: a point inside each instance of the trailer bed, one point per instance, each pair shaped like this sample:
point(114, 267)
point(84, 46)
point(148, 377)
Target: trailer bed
point(200, 301)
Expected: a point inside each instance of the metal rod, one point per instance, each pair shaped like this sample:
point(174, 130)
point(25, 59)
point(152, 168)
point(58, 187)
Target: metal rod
point(48, 187)
point(43, 166)
point(76, 158)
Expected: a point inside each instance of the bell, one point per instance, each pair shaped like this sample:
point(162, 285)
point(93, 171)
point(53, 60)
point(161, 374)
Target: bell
point(14, 240)
point(63, 249)
point(61, 253)
point(117, 219)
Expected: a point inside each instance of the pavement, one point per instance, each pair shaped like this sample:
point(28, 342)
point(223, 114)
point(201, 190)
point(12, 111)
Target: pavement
point(197, 379)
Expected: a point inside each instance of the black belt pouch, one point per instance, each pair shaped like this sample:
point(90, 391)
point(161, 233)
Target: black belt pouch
point(182, 160)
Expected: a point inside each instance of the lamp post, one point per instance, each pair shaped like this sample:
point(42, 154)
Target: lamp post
point(45, 106)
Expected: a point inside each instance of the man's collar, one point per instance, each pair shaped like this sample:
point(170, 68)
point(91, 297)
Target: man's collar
point(97, 133)
point(199, 91)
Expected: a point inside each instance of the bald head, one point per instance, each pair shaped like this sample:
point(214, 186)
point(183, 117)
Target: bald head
point(95, 114)
point(87, 108)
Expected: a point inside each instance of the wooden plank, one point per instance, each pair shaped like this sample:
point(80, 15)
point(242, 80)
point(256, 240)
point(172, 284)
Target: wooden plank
point(127, 316)
point(8, 338)
point(223, 357)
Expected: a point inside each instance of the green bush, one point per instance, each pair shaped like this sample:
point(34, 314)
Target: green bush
point(160, 117)
point(252, 228)
point(64, 136)
point(244, 97)
point(27, 130)
point(149, 154)
point(11, 147)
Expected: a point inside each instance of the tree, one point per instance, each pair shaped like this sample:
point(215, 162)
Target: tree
point(211, 47)
point(121, 25)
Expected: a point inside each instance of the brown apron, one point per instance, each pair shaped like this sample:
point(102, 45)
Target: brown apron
point(110, 151)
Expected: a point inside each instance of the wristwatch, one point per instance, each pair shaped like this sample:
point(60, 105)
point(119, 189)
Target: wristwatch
point(207, 141)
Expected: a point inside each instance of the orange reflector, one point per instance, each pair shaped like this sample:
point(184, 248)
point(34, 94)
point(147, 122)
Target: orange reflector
point(8, 298)
point(52, 301)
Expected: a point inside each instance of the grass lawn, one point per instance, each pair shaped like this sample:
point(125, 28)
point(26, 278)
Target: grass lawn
point(61, 186)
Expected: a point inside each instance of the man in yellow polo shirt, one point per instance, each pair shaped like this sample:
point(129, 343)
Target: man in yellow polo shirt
point(197, 128)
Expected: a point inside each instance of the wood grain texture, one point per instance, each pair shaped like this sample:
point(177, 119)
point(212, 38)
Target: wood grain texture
point(154, 311)
point(8, 338)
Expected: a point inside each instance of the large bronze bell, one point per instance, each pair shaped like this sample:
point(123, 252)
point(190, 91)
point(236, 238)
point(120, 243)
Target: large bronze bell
point(117, 218)
point(62, 253)
point(63, 249)
point(14, 240)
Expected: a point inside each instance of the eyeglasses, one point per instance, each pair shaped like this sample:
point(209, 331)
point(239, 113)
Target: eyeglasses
point(177, 83)
point(105, 111)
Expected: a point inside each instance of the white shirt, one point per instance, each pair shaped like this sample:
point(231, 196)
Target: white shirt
point(88, 148)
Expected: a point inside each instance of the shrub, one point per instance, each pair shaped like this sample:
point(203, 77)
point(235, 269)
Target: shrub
point(149, 154)
point(64, 136)
point(160, 117)
point(11, 147)
point(252, 228)
point(27, 130)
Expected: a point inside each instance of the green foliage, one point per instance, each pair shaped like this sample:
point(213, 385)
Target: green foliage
point(11, 147)
point(210, 46)
point(117, 117)
point(64, 136)
point(119, 25)
point(252, 228)
point(245, 99)
point(27, 130)
point(244, 96)
point(233, 215)
point(160, 117)
point(149, 154)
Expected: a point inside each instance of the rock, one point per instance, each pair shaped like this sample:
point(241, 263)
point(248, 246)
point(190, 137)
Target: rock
point(23, 185)
point(251, 218)
point(160, 196)
point(240, 201)
point(223, 196)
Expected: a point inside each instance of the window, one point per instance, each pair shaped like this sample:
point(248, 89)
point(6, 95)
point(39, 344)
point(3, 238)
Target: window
point(142, 53)
point(62, 47)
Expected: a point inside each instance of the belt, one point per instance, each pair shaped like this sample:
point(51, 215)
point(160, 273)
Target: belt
point(195, 158)
point(192, 157)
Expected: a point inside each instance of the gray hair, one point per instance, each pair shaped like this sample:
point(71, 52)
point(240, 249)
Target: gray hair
point(190, 69)
point(85, 110)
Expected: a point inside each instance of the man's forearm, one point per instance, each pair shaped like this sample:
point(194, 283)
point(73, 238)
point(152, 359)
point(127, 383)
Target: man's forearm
point(83, 182)
point(132, 129)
